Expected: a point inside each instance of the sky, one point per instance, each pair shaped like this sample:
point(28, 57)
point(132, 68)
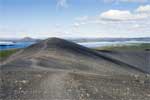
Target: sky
point(74, 18)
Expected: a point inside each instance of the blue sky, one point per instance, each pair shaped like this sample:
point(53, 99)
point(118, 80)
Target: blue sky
point(74, 18)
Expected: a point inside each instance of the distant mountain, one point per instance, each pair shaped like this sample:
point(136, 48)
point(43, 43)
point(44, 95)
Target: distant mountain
point(28, 39)
point(77, 40)
point(109, 39)
point(25, 39)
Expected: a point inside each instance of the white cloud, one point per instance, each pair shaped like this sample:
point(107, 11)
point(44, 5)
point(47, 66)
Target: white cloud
point(82, 18)
point(62, 3)
point(76, 24)
point(145, 8)
point(114, 23)
point(122, 15)
point(116, 15)
point(142, 12)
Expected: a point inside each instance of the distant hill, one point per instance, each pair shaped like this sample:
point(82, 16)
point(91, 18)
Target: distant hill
point(25, 39)
point(109, 39)
point(62, 54)
point(81, 39)
point(28, 39)
point(57, 69)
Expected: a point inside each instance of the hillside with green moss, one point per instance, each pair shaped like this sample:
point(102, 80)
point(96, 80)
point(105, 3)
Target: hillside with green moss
point(6, 53)
point(137, 47)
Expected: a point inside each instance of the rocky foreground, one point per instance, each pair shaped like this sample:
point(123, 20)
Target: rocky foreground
point(56, 69)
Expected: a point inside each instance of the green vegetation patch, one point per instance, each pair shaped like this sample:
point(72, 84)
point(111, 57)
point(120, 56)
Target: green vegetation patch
point(143, 46)
point(6, 53)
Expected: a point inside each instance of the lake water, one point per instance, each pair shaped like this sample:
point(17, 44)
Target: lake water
point(116, 43)
point(17, 45)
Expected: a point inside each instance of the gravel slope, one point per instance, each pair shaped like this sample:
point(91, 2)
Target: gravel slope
point(56, 69)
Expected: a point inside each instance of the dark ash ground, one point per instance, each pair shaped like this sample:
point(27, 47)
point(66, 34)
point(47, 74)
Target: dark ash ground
point(56, 69)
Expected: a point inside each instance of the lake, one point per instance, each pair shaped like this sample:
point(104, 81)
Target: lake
point(10, 45)
point(116, 43)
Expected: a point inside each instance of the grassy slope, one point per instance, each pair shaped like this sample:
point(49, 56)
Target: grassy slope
point(144, 46)
point(6, 53)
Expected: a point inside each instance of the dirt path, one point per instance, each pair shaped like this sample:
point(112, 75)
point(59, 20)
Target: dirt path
point(53, 87)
